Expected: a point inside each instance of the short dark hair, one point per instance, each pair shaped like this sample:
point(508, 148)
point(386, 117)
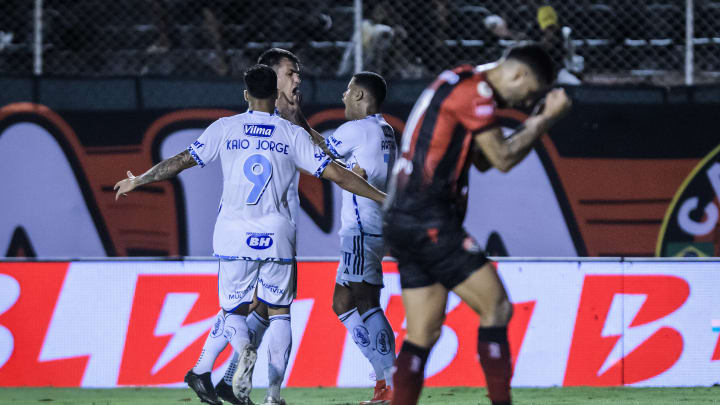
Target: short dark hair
point(374, 83)
point(536, 57)
point(260, 81)
point(273, 56)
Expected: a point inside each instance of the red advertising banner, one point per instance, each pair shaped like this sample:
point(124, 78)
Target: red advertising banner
point(120, 323)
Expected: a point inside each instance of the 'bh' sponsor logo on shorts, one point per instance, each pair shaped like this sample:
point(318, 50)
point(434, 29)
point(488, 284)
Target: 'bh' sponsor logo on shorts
point(259, 241)
point(264, 131)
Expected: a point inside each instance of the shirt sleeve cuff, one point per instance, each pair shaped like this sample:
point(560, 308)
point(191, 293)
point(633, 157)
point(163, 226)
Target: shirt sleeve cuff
point(332, 149)
point(321, 169)
point(196, 156)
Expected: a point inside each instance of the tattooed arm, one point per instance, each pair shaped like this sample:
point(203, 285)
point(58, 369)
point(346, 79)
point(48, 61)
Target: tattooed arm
point(164, 170)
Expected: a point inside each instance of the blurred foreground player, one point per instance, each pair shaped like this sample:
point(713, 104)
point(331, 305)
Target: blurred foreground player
point(451, 125)
point(366, 143)
point(260, 154)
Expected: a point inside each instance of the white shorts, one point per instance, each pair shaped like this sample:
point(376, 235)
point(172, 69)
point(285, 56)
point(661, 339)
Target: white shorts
point(237, 280)
point(361, 260)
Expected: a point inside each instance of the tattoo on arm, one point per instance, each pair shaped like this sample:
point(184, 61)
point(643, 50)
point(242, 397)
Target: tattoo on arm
point(168, 168)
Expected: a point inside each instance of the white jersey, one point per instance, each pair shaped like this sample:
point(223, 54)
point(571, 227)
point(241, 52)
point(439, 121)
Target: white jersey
point(260, 155)
point(369, 143)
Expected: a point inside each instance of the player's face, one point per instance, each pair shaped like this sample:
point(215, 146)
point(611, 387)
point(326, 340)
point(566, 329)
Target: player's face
point(288, 74)
point(525, 91)
point(348, 97)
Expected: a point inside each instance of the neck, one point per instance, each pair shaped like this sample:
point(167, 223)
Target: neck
point(265, 105)
point(494, 78)
point(363, 111)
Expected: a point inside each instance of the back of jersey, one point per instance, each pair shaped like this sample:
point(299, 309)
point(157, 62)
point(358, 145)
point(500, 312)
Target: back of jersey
point(260, 154)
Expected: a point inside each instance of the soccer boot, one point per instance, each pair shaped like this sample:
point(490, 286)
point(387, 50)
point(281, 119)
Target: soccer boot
point(202, 385)
point(242, 379)
point(382, 395)
point(225, 392)
point(274, 401)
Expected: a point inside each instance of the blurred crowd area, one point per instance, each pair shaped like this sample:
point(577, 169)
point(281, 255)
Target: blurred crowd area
point(596, 41)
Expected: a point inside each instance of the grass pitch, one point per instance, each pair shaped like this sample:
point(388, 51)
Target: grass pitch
point(343, 396)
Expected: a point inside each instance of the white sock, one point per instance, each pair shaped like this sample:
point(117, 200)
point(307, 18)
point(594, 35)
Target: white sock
point(360, 335)
point(257, 325)
point(236, 331)
point(383, 340)
point(214, 345)
point(231, 368)
point(279, 346)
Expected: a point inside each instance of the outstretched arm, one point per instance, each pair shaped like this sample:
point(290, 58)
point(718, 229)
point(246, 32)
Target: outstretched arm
point(164, 170)
point(352, 182)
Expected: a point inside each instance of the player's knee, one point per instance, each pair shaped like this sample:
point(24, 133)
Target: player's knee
point(365, 303)
point(503, 312)
point(342, 302)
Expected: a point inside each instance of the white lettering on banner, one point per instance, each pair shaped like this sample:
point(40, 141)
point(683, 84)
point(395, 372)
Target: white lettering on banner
point(713, 174)
point(699, 228)
point(89, 319)
point(10, 292)
point(171, 322)
point(693, 227)
point(623, 310)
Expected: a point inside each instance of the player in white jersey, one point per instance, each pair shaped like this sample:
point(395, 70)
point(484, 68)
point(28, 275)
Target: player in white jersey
point(287, 67)
point(368, 142)
point(254, 237)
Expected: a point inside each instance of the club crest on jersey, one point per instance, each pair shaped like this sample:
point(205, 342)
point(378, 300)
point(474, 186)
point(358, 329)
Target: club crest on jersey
point(259, 241)
point(261, 130)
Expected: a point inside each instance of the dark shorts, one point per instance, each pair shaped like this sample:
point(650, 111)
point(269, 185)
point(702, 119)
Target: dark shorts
point(429, 252)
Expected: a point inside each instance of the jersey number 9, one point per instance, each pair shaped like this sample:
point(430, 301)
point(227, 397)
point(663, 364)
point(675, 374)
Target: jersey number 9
point(258, 170)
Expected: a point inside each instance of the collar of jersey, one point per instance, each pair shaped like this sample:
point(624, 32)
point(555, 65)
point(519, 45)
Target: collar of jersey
point(263, 112)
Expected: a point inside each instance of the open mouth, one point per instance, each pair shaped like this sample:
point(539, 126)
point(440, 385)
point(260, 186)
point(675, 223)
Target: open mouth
point(295, 91)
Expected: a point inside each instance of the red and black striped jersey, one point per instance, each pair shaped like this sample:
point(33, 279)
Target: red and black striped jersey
point(431, 176)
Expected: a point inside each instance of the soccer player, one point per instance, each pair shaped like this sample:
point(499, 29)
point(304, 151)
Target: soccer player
point(452, 124)
point(365, 143)
point(254, 237)
point(287, 67)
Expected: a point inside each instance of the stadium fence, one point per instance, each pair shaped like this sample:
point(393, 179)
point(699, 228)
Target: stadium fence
point(600, 41)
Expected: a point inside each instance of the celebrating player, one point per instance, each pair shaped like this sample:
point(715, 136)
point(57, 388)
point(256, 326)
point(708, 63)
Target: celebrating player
point(287, 68)
point(254, 237)
point(366, 143)
point(452, 124)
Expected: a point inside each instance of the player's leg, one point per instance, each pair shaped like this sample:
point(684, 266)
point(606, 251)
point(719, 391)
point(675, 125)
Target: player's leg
point(346, 310)
point(234, 278)
point(279, 338)
point(484, 292)
point(276, 287)
point(425, 313)
point(257, 323)
point(366, 294)
point(382, 337)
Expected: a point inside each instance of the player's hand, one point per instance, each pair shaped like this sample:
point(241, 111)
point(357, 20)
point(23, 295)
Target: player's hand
point(557, 103)
point(125, 186)
point(289, 107)
point(359, 171)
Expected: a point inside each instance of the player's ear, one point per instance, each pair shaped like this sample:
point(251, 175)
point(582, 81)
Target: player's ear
point(359, 94)
point(245, 95)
